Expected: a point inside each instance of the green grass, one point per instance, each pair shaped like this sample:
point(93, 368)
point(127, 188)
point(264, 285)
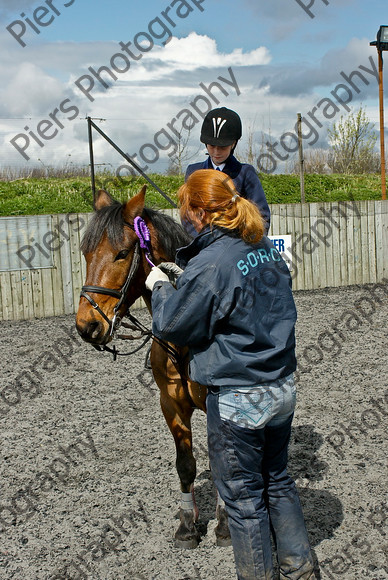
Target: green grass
point(72, 195)
point(320, 188)
point(52, 195)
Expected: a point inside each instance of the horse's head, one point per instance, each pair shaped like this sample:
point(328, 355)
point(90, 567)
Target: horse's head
point(116, 268)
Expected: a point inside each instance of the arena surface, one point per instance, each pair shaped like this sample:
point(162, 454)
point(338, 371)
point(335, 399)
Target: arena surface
point(87, 463)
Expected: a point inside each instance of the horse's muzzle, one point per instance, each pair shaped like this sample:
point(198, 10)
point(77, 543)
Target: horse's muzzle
point(93, 331)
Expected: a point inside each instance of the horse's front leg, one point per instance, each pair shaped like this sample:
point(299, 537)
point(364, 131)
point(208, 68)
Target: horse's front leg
point(176, 405)
point(178, 418)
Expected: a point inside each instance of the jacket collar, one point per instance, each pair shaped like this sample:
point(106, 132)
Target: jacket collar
point(206, 237)
point(232, 166)
point(207, 164)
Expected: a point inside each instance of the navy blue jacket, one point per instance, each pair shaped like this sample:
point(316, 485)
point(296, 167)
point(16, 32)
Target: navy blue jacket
point(245, 180)
point(233, 307)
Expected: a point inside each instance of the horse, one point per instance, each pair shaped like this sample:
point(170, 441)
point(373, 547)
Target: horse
point(116, 270)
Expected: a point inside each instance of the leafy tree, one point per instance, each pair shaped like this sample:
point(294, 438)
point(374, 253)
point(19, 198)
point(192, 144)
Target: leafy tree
point(353, 142)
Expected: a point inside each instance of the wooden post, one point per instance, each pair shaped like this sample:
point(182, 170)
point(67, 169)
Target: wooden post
point(301, 159)
point(129, 159)
point(382, 146)
point(91, 156)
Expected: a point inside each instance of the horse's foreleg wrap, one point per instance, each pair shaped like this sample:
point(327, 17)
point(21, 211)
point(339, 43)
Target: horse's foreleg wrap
point(187, 535)
point(188, 502)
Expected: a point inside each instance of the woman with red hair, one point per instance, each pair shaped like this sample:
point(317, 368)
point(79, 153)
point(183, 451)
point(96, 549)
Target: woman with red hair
point(233, 307)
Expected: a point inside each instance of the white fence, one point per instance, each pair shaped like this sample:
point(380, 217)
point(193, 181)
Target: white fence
point(333, 244)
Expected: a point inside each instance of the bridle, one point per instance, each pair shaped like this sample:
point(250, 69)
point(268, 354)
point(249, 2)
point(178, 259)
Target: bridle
point(144, 242)
point(121, 294)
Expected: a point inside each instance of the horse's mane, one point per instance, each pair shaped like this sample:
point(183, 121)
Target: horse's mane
point(109, 219)
point(171, 235)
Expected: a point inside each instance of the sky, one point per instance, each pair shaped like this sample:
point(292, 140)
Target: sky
point(147, 72)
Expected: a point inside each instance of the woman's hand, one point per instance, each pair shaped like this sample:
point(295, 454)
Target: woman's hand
point(156, 275)
point(172, 270)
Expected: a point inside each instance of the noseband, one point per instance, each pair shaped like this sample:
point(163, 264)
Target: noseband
point(144, 242)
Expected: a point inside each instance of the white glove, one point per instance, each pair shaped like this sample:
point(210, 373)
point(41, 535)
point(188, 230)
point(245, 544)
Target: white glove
point(172, 270)
point(156, 275)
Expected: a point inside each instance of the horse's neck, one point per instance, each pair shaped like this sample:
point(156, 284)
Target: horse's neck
point(147, 299)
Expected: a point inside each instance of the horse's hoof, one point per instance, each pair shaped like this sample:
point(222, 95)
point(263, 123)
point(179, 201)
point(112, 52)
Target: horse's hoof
point(224, 542)
point(223, 538)
point(186, 544)
point(187, 535)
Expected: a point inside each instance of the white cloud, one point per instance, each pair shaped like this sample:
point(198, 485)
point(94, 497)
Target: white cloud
point(201, 51)
point(154, 90)
point(31, 91)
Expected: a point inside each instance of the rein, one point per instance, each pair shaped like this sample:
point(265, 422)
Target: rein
point(144, 243)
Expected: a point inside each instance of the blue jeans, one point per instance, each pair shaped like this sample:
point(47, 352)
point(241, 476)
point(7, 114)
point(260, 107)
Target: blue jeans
point(249, 466)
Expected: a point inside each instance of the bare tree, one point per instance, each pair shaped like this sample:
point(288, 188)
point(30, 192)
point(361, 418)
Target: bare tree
point(249, 154)
point(256, 152)
point(315, 161)
point(182, 155)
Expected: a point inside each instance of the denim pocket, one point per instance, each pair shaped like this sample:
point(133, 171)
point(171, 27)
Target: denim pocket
point(284, 393)
point(250, 410)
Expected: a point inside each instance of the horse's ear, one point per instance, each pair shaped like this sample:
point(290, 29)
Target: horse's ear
point(135, 205)
point(102, 199)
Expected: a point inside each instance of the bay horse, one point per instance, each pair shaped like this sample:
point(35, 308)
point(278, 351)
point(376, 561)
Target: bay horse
point(116, 270)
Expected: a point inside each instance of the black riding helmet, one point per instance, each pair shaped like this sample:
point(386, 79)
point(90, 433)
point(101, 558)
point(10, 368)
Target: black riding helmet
point(221, 127)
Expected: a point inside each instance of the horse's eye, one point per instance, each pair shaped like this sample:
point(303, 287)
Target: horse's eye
point(122, 255)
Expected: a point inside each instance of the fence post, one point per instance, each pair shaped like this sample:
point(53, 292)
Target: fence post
point(301, 159)
point(91, 156)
